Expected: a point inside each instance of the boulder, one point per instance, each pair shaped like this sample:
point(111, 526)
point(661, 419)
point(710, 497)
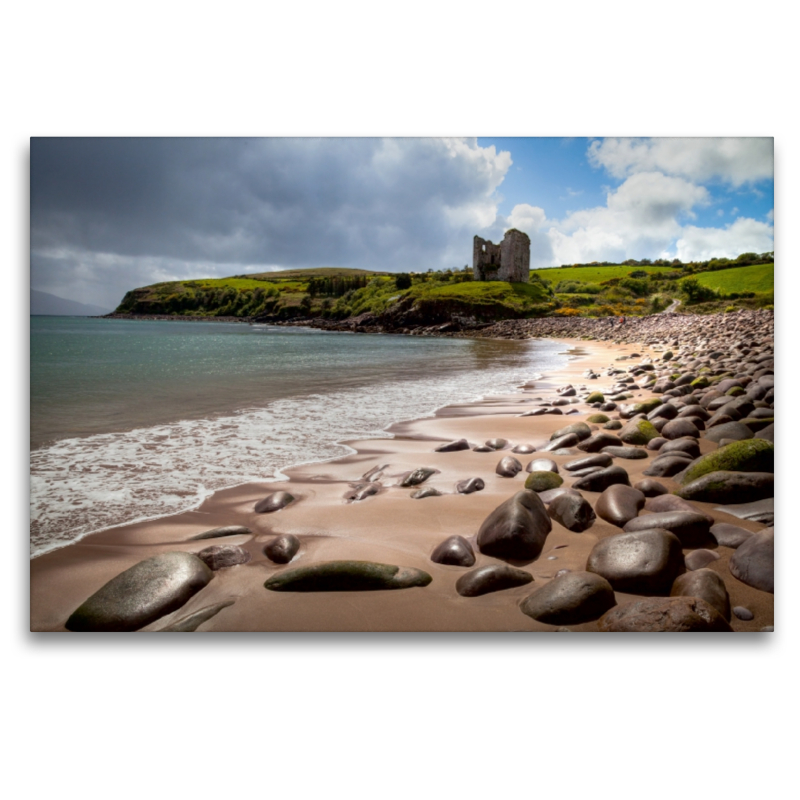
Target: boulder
point(516, 529)
point(630, 453)
point(218, 533)
point(450, 447)
point(598, 481)
point(223, 555)
point(753, 562)
point(759, 511)
point(596, 460)
point(638, 431)
point(685, 444)
point(667, 466)
point(193, 621)
point(142, 594)
point(595, 443)
point(580, 429)
point(273, 502)
point(642, 562)
point(707, 585)
point(570, 599)
point(470, 485)
point(543, 481)
point(508, 467)
point(282, 549)
point(455, 550)
point(752, 455)
point(618, 504)
point(523, 449)
point(663, 615)
point(728, 535)
point(361, 491)
point(729, 487)
point(678, 428)
point(729, 430)
point(650, 488)
point(347, 576)
point(568, 440)
point(491, 578)
point(417, 476)
point(698, 559)
point(496, 444)
point(542, 465)
point(426, 491)
point(692, 529)
point(669, 502)
point(571, 510)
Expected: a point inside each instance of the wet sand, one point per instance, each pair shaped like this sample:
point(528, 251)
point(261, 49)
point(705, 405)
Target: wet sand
point(389, 528)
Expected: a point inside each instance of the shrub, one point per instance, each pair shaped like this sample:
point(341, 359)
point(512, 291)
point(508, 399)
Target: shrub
point(403, 281)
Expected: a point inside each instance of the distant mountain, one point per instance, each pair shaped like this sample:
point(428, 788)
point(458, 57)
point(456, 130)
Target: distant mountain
point(44, 303)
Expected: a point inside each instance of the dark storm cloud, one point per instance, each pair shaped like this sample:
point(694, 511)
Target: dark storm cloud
point(166, 207)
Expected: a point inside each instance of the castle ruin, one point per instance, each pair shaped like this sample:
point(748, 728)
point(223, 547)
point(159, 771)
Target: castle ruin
point(508, 261)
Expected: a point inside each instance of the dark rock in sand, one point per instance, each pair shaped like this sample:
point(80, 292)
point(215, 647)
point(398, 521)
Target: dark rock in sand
point(569, 440)
point(694, 410)
point(597, 460)
point(601, 480)
point(508, 467)
point(678, 428)
point(707, 585)
point(656, 444)
point(217, 533)
point(491, 578)
point(595, 443)
point(630, 453)
point(580, 429)
point(619, 504)
point(613, 425)
point(670, 502)
point(455, 550)
point(427, 491)
point(638, 431)
point(142, 594)
point(273, 502)
point(193, 621)
point(730, 535)
point(743, 613)
point(450, 447)
point(729, 430)
point(643, 562)
point(542, 465)
point(496, 444)
point(570, 599)
point(729, 487)
point(282, 549)
point(470, 485)
point(543, 481)
point(752, 455)
point(685, 444)
point(551, 494)
point(523, 449)
point(698, 559)
point(223, 555)
point(767, 433)
point(347, 576)
point(418, 476)
point(664, 615)
point(516, 529)
point(666, 466)
point(664, 411)
point(650, 488)
point(759, 511)
point(571, 510)
point(483, 448)
point(692, 529)
point(362, 491)
point(753, 562)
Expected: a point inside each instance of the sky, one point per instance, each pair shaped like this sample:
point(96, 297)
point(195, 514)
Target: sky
point(111, 214)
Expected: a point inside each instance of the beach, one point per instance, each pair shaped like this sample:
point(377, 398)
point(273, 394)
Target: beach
point(390, 527)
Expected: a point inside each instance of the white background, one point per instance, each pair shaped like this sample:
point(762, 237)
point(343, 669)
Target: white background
point(393, 715)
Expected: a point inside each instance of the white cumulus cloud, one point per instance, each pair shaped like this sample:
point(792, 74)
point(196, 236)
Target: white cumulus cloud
point(742, 236)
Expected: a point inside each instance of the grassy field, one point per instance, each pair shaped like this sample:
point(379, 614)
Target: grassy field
point(595, 274)
point(759, 278)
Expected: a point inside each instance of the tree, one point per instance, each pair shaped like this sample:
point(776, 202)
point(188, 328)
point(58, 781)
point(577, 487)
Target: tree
point(403, 281)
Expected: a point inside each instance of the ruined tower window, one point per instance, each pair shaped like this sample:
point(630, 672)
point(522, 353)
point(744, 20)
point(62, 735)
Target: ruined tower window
point(484, 248)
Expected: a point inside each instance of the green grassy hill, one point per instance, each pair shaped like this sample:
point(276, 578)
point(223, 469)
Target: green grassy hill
point(759, 278)
point(591, 274)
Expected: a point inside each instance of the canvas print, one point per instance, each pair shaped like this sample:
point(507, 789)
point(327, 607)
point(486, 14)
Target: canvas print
point(356, 384)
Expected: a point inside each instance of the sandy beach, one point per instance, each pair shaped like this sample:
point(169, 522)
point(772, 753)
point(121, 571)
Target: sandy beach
point(390, 527)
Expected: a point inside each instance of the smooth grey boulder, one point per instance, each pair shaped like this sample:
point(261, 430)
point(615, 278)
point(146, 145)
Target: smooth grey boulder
point(580, 429)
point(667, 466)
point(650, 488)
point(551, 494)
point(737, 431)
point(491, 578)
point(192, 622)
point(456, 551)
point(571, 510)
point(347, 576)
point(685, 444)
point(598, 481)
point(361, 491)
point(220, 556)
point(698, 559)
point(542, 465)
point(767, 433)
point(596, 460)
point(630, 453)
point(619, 504)
point(142, 594)
point(523, 449)
point(570, 599)
point(218, 533)
point(669, 502)
point(516, 529)
point(729, 487)
point(707, 585)
point(595, 443)
point(678, 428)
point(426, 491)
point(655, 444)
point(508, 467)
point(728, 535)
point(665, 410)
point(692, 529)
point(470, 485)
point(273, 502)
point(418, 476)
point(759, 511)
point(568, 440)
point(664, 615)
point(482, 448)
point(282, 549)
point(496, 444)
point(450, 447)
point(753, 562)
point(642, 562)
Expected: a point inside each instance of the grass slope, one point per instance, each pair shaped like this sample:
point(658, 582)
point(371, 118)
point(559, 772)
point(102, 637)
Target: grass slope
point(759, 278)
point(595, 274)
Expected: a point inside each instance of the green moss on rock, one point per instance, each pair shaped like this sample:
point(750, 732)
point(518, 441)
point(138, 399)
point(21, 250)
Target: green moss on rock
point(639, 431)
point(542, 481)
point(735, 391)
point(700, 383)
point(597, 418)
point(750, 455)
point(596, 397)
point(647, 406)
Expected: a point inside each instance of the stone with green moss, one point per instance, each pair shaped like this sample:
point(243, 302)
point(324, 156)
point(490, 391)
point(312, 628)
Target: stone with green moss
point(347, 576)
point(750, 455)
point(597, 418)
point(647, 406)
point(735, 391)
point(595, 397)
point(667, 356)
point(612, 425)
point(542, 481)
point(638, 431)
point(700, 383)
point(728, 487)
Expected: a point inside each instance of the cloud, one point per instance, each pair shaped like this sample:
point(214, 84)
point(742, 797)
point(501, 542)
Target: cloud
point(127, 212)
point(735, 161)
point(742, 236)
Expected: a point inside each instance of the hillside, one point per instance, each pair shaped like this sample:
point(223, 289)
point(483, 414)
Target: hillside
point(45, 304)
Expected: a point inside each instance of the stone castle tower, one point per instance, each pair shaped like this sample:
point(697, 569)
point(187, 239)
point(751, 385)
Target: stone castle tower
point(508, 261)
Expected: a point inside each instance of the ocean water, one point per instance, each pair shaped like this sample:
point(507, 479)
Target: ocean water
point(134, 420)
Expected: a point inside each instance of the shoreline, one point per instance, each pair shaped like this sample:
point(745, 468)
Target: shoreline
point(388, 527)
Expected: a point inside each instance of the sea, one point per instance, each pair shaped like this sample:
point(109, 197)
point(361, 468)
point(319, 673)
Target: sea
point(133, 419)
